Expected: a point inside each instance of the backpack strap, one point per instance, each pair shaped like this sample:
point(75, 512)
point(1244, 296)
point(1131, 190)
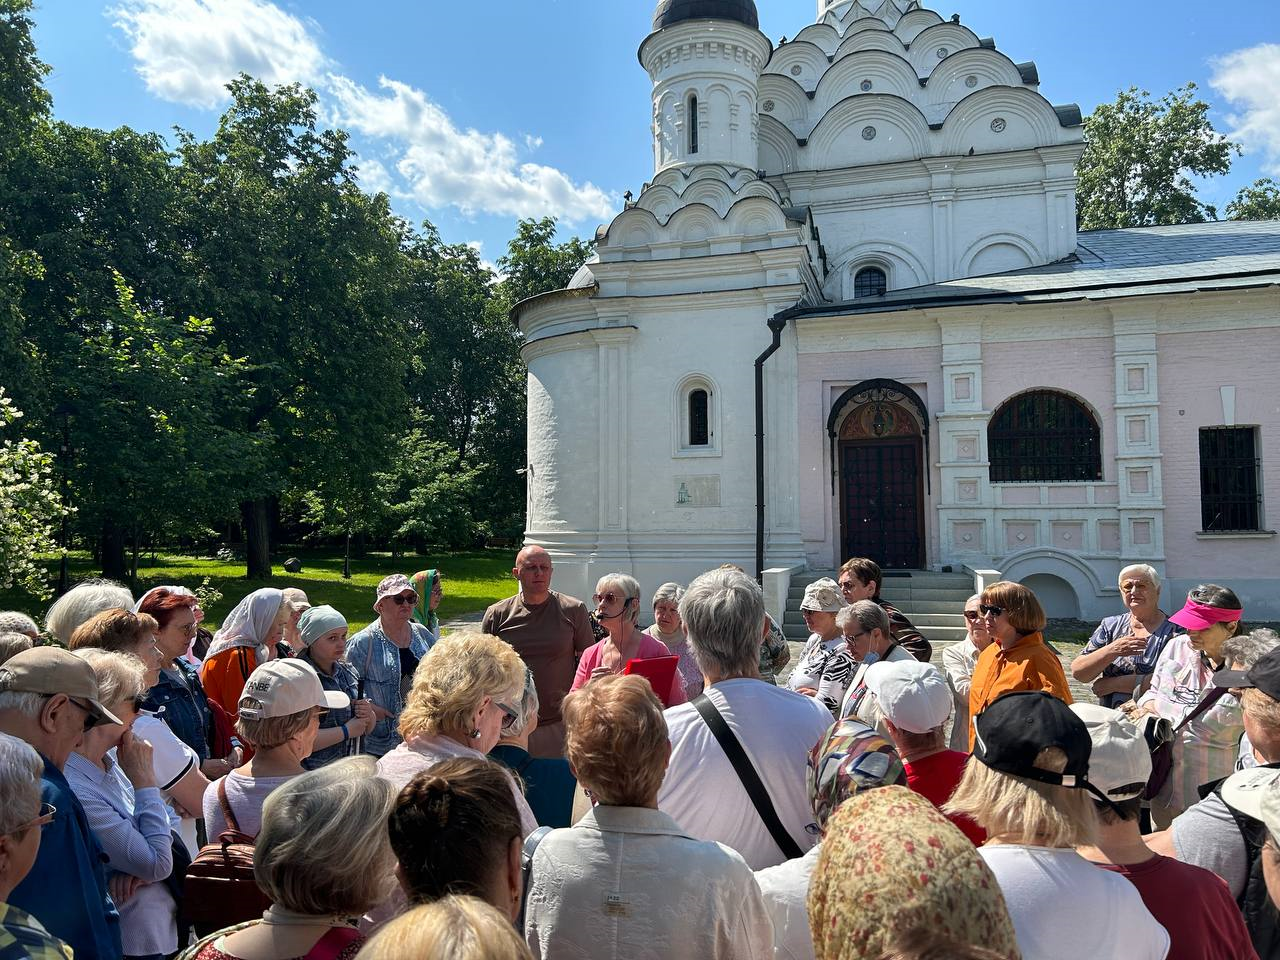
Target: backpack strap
point(227, 813)
point(747, 775)
point(526, 868)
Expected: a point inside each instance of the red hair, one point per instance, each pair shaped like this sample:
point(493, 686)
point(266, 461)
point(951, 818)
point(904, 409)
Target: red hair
point(163, 604)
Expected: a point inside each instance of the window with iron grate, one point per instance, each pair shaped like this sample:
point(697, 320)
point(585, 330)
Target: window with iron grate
point(699, 418)
point(1044, 436)
point(869, 282)
point(1230, 494)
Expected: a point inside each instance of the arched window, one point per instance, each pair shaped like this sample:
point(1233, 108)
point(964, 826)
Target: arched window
point(693, 124)
point(869, 282)
point(1043, 435)
point(699, 418)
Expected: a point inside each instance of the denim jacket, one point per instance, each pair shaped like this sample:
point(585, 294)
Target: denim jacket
point(182, 705)
point(376, 660)
point(343, 680)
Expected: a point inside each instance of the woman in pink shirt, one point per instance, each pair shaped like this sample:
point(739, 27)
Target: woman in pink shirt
point(617, 600)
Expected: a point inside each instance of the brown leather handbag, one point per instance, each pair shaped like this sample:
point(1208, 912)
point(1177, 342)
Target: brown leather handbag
point(220, 889)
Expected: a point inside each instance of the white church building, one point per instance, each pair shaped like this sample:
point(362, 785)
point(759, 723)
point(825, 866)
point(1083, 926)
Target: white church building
point(867, 233)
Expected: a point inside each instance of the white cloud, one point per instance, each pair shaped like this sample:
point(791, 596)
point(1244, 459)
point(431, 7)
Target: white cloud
point(1250, 80)
point(443, 165)
point(187, 50)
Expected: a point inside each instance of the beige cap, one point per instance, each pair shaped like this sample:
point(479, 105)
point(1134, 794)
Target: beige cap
point(280, 688)
point(1120, 762)
point(822, 596)
point(52, 670)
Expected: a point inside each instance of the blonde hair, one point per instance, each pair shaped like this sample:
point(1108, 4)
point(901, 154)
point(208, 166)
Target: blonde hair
point(1026, 811)
point(1261, 707)
point(453, 679)
point(323, 846)
point(616, 739)
point(120, 630)
point(121, 676)
point(454, 928)
point(629, 586)
point(271, 732)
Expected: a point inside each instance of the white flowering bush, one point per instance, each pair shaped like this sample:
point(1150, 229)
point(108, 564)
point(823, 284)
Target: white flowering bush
point(30, 507)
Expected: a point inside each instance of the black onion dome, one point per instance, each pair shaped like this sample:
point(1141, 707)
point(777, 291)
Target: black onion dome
point(671, 12)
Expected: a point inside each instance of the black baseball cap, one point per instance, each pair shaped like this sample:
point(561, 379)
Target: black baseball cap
point(1264, 675)
point(1012, 731)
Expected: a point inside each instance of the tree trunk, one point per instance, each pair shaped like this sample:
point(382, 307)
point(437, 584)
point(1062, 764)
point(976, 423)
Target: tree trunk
point(111, 552)
point(257, 538)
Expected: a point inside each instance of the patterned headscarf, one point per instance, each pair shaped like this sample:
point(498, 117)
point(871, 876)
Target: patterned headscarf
point(891, 864)
point(851, 757)
point(424, 582)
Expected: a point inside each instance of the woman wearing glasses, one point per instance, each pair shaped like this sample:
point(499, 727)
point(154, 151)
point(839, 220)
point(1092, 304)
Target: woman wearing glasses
point(1017, 659)
point(617, 600)
point(461, 701)
point(958, 661)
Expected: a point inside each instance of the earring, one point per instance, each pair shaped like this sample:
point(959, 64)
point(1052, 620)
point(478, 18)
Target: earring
point(475, 734)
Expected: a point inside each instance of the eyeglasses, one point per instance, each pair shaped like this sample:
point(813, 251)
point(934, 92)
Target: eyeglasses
point(990, 611)
point(47, 812)
point(973, 616)
point(855, 636)
point(91, 719)
point(401, 600)
point(509, 716)
point(848, 584)
point(610, 598)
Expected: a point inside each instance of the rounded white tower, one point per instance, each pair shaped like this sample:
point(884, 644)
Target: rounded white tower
point(704, 58)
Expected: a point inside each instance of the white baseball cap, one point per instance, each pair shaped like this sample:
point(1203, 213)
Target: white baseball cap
point(1120, 762)
point(1256, 793)
point(913, 695)
point(280, 688)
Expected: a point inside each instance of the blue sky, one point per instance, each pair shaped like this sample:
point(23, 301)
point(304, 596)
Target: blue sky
point(474, 114)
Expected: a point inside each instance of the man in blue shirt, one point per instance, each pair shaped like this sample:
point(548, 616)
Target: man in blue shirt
point(49, 698)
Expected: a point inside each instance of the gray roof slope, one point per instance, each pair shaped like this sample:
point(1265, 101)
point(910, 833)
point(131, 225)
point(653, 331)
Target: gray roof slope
point(1107, 264)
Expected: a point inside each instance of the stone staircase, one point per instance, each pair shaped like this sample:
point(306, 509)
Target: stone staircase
point(934, 602)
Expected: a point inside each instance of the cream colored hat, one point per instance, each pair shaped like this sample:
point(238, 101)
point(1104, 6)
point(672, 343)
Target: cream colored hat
point(280, 688)
point(822, 596)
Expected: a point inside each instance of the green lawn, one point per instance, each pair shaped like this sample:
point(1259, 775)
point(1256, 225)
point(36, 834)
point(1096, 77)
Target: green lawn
point(471, 580)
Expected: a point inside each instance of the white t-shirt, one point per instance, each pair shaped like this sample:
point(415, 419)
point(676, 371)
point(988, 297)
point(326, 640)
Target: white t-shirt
point(777, 728)
point(1063, 910)
point(786, 893)
point(816, 653)
point(171, 760)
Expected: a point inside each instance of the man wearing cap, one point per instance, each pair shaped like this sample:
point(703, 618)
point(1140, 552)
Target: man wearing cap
point(384, 655)
point(550, 631)
point(49, 698)
point(915, 702)
point(1191, 903)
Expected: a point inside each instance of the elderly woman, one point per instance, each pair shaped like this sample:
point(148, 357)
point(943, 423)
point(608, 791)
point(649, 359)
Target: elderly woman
point(384, 655)
point(460, 928)
point(112, 775)
point(426, 584)
point(1206, 718)
point(1124, 649)
point(868, 640)
point(290, 642)
point(851, 759)
point(891, 866)
point(279, 716)
point(1027, 786)
point(14, 643)
point(699, 898)
point(549, 784)
point(323, 632)
point(246, 639)
point(15, 621)
point(83, 601)
point(1018, 659)
point(177, 766)
point(958, 661)
point(455, 829)
point(460, 703)
point(323, 859)
point(617, 600)
point(668, 628)
point(821, 603)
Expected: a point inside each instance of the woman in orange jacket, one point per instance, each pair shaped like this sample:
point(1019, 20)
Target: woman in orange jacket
point(246, 639)
point(1019, 658)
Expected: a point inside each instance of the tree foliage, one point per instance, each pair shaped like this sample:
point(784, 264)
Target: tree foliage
point(1136, 170)
point(1258, 201)
point(535, 264)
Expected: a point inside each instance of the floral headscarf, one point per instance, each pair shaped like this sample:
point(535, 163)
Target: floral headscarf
point(850, 757)
point(424, 582)
point(249, 622)
point(891, 864)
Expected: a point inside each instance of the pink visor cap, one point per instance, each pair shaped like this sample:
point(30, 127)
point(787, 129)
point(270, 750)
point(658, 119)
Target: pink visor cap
point(1200, 616)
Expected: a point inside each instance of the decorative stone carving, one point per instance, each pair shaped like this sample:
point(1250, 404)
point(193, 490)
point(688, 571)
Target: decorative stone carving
point(868, 133)
point(998, 125)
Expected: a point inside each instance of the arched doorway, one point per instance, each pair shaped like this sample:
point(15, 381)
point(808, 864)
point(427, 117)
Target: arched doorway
point(879, 433)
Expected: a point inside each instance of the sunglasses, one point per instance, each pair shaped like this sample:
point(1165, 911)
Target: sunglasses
point(990, 611)
point(91, 719)
point(509, 717)
point(401, 600)
point(972, 616)
point(45, 817)
point(610, 598)
point(847, 584)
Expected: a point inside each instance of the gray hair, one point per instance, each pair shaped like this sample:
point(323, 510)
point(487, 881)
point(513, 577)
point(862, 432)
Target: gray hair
point(83, 602)
point(669, 592)
point(629, 586)
point(1248, 648)
point(20, 772)
point(121, 676)
point(1142, 571)
point(723, 614)
point(24, 702)
point(528, 705)
point(13, 643)
point(867, 614)
point(15, 621)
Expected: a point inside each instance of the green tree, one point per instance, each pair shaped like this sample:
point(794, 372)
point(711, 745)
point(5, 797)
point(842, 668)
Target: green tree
point(29, 507)
point(1136, 170)
point(535, 264)
point(1258, 201)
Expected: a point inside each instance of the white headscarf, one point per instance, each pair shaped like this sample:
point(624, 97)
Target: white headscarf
point(249, 623)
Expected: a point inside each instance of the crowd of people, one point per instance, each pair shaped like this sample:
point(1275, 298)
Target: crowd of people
point(561, 783)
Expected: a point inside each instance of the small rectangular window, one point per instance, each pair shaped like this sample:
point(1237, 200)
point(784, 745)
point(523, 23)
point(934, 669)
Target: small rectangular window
point(699, 419)
point(1230, 494)
point(693, 125)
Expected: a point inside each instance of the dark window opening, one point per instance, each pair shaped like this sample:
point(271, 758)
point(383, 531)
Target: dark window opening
point(699, 418)
point(869, 282)
point(1044, 436)
point(1230, 496)
point(693, 124)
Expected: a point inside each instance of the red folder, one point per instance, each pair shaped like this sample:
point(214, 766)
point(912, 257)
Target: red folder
point(659, 671)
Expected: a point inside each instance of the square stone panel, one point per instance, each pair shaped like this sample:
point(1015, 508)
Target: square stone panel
point(1136, 379)
point(1141, 530)
point(1018, 535)
point(1068, 496)
point(967, 491)
point(1068, 534)
point(1023, 495)
point(962, 387)
point(1109, 536)
point(1136, 430)
point(966, 536)
point(1140, 482)
point(967, 447)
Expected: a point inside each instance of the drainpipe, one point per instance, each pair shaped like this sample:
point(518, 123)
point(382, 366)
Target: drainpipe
point(777, 324)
